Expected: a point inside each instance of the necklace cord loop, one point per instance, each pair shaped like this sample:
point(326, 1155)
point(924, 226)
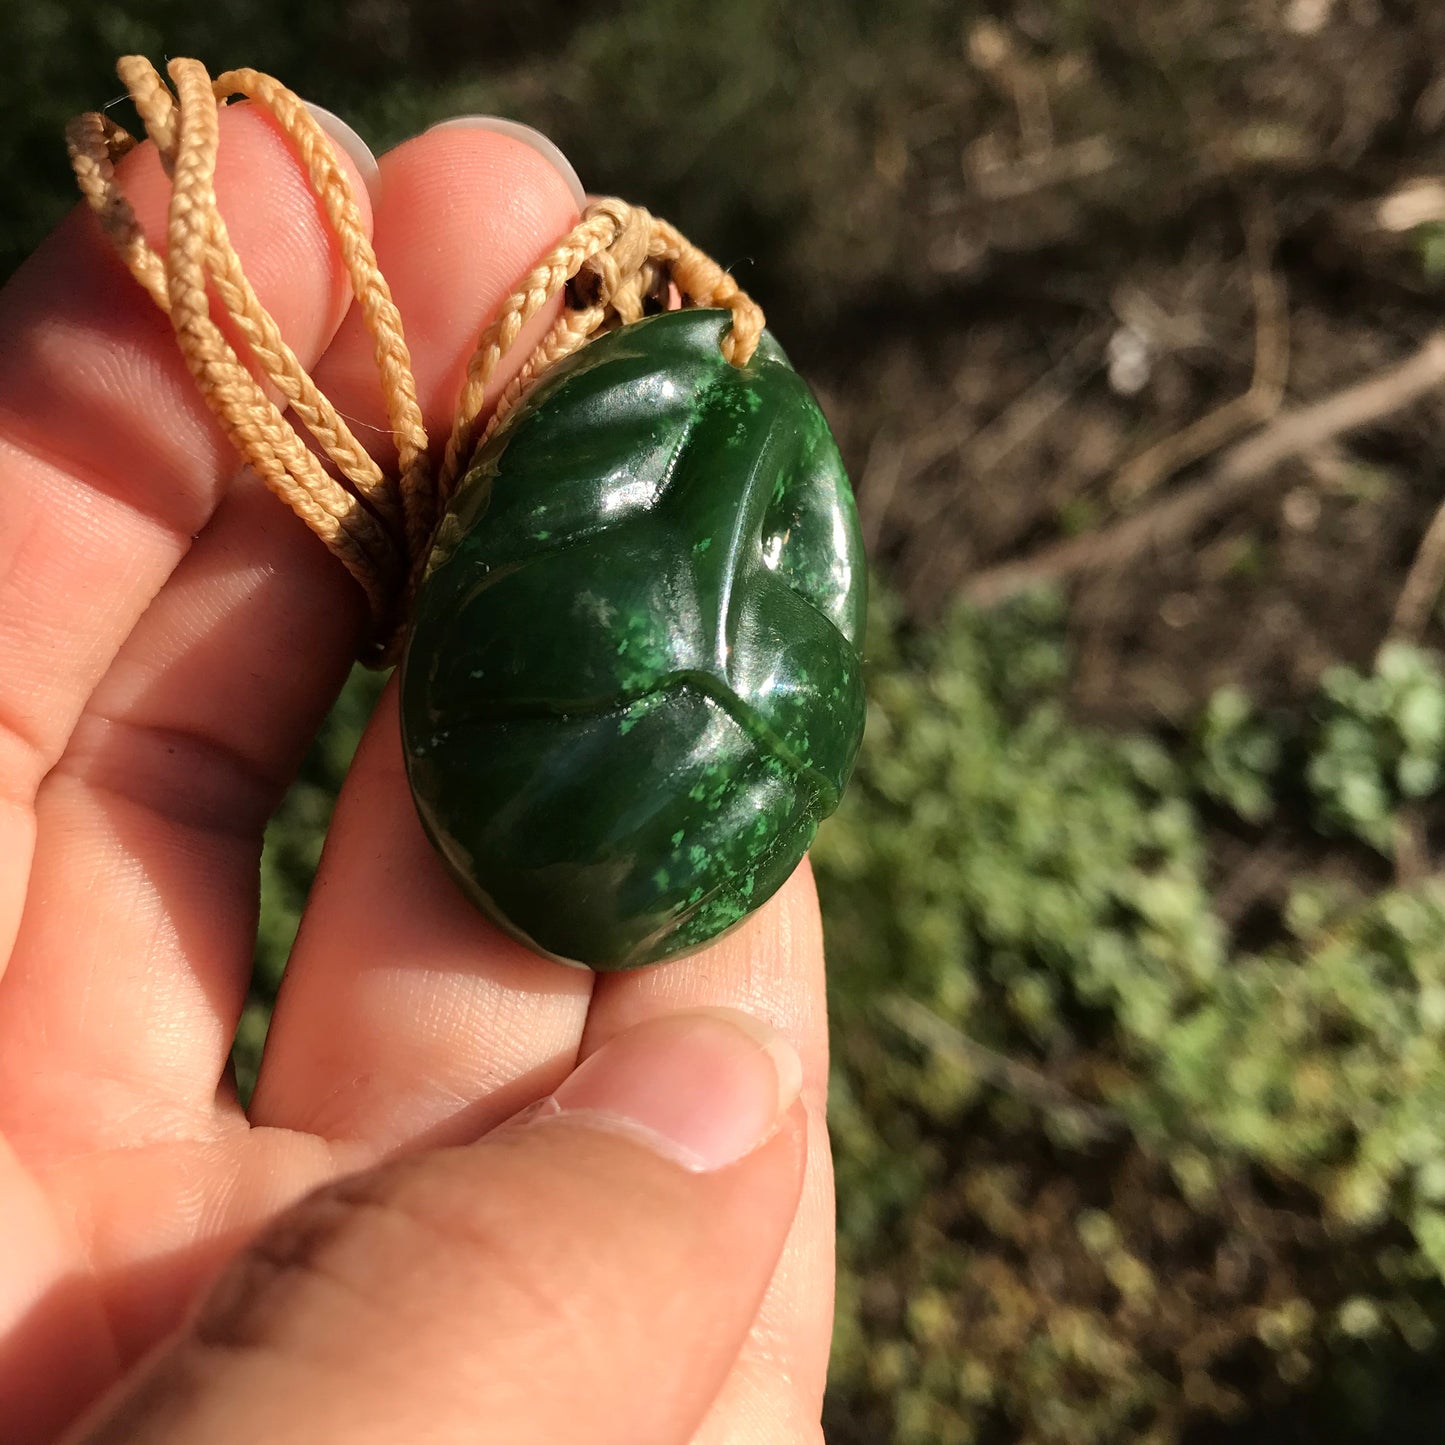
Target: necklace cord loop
point(617, 264)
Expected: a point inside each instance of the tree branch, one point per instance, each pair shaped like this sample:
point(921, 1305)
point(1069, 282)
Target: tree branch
point(1234, 476)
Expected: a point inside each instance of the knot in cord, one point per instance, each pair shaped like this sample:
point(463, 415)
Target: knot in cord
point(623, 277)
point(615, 265)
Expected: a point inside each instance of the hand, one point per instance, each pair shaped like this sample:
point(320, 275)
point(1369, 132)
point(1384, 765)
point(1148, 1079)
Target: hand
point(396, 1262)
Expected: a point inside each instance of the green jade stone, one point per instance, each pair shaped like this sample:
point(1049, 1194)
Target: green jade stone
point(632, 688)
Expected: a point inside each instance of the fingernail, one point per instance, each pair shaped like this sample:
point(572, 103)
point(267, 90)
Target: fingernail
point(702, 1089)
point(347, 140)
point(547, 149)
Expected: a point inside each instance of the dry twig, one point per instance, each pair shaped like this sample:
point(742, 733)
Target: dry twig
point(1242, 468)
point(878, 486)
point(1266, 388)
point(1411, 847)
point(1423, 583)
point(991, 445)
point(925, 1027)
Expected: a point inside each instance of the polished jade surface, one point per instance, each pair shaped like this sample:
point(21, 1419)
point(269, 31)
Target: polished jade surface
point(632, 688)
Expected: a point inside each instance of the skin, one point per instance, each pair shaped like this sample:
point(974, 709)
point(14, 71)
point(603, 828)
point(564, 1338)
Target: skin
point(170, 637)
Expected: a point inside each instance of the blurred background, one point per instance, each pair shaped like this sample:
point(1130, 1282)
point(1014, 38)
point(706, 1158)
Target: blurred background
point(1129, 319)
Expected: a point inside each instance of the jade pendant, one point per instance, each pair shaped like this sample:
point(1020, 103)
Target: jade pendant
point(632, 688)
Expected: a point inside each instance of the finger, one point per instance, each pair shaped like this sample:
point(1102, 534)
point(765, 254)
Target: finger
point(466, 210)
point(109, 460)
point(587, 1274)
point(143, 894)
point(403, 1013)
point(156, 810)
point(49, 1312)
point(773, 968)
point(130, 960)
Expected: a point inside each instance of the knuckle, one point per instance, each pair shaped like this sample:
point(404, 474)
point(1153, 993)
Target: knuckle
point(402, 1248)
point(485, 1241)
point(291, 1260)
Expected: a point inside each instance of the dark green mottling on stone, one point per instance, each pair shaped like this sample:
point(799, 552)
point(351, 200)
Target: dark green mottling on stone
point(632, 689)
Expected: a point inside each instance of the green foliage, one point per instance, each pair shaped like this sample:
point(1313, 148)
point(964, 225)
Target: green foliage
point(1058, 1088)
point(1039, 869)
point(1323, 1060)
point(1382, 742)
point(1374, 744)
point(1238, 755)
point(1429, 241)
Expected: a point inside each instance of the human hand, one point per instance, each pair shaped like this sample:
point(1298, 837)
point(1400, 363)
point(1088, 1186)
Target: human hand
point(170, 637)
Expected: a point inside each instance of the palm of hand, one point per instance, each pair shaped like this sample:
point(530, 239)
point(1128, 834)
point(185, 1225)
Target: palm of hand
point(155, 694)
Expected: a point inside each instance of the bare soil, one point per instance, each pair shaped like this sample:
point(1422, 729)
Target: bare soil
point(1088, 287)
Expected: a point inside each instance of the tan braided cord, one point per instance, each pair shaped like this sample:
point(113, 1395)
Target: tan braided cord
point(615, 264)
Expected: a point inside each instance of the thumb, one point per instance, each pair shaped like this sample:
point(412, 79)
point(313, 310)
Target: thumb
point(589, 1271)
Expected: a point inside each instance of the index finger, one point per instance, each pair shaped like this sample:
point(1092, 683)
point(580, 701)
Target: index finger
point(110, 462)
